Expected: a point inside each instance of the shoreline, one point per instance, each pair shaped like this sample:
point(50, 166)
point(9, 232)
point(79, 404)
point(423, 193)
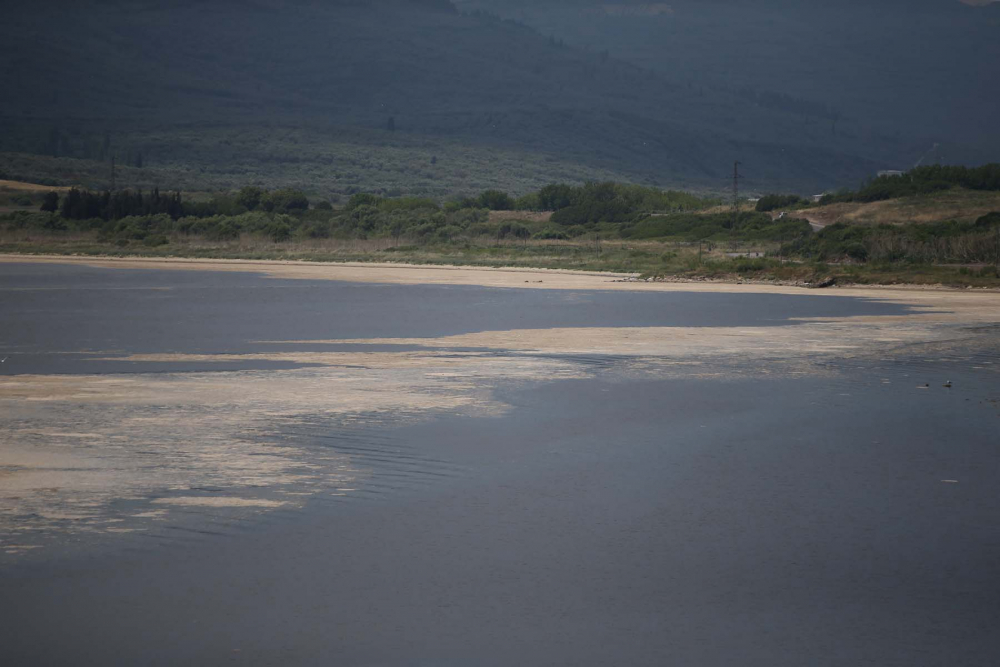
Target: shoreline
point(205, 405)
point(452, 274)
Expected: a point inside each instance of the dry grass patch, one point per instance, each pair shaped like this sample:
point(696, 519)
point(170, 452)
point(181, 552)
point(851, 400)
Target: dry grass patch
point(19, 186)
point(957, 205)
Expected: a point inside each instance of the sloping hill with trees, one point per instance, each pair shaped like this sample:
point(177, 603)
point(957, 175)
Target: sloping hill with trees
point(411, 95)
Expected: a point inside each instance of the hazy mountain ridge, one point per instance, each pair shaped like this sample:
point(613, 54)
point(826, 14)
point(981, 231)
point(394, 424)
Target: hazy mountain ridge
point(74, 74)
point(911, 69)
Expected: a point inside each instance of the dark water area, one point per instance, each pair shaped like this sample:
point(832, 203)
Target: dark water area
point(648, 523)
point(844, 518)
point(52, 313)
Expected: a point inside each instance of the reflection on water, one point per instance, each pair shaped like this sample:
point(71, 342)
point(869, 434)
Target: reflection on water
point(230, 396)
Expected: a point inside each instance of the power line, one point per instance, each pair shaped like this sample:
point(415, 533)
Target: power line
point(736, 193)
point(736, 205)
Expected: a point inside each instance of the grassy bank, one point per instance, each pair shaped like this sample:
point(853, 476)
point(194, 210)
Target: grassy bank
point(595, 227)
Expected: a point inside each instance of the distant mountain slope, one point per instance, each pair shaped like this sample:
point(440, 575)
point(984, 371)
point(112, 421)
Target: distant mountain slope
point(173, 81)
point(912, 68)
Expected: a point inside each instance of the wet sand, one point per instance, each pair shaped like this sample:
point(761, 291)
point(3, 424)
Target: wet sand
point(409, 274)
point(371, 465)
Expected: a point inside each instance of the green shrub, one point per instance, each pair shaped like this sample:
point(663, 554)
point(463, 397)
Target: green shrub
point(495, 200)
point(989, 220)
point(407, 204)
point(921, 181)
point(513, 230)
point(550, 234)
point(856, 251)
point(51, 202)
point(32, 220)
point(277, 231)
point(467, 217)
point(363, 199)
point(447, 233)
point(315, 230)
point(225, 230)
point(529, 202)
point(285, 201)
point(55, 223)
point(250, 197)
point(750, 226)
point(774, 202)
point(752, 265)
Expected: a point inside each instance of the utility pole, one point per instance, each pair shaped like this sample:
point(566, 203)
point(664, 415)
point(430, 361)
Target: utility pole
point(996, 251)
point(736, 191)
point(736, 203)
point(112, 172)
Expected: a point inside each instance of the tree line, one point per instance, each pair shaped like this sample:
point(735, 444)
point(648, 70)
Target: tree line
point(107, 205)
point(590, 202)
point(918, 181)
point(83, 204)
point(921, 181)
point(134, 215)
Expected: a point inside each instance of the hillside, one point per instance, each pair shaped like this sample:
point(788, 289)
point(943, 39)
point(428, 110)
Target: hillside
point(919, 70)
point(402, 96)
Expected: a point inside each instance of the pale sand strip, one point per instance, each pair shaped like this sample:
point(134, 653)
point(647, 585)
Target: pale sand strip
point(411, 274)
point(937, 304)
point(967, 305)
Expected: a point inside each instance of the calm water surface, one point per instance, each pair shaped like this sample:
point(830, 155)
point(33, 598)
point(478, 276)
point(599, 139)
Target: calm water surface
point(606, 520)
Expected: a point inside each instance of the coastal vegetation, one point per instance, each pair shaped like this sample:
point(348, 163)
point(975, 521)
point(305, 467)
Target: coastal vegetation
point(922, 181)
point(595, 226)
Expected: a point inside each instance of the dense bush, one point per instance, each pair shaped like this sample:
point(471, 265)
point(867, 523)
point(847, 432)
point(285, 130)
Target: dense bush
point(277, 230)
point(363, 199)
point(50, 203)
point(285, 200)
point(529, 202)
point(602, 208)
point(695, 227)
point(34, 220)
point(513, 230)
point(550, 234)
point(407, 204)
point(495, 200)
point(593, 211)
point(555, 197)
point(84, 204)
point(774, 202)
point(592, 202)
point(939, 242)
point(989, 220)
point(921, 181)
point(250, 197)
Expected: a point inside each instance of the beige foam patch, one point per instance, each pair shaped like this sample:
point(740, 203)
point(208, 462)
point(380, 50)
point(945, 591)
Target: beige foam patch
point(225, 501)
point(83, 442)
point(73, 445)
